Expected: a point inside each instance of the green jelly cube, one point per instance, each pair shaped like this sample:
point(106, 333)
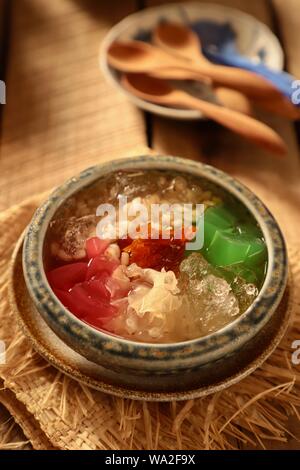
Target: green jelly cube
point(249, 230)
point(226, 249)
point(220, 217)
point(209, 233)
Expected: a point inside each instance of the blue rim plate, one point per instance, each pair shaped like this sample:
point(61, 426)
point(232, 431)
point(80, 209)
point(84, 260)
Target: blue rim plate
point(254, 40)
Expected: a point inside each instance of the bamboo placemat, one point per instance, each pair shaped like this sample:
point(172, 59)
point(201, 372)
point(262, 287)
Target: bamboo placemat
point(61, 115)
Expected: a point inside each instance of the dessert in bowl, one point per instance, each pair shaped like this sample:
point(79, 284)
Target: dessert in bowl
point(156, 293)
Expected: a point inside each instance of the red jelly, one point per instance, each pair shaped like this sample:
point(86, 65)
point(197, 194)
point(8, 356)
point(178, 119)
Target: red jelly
point(93, 311)
point(100, 266)
point(95, 246)
point(67, 276)
point(81, 287)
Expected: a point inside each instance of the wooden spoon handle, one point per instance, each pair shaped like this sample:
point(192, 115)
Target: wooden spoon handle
point(246, 126)
point(280, 106)
point(242, 80)
point(175, 73)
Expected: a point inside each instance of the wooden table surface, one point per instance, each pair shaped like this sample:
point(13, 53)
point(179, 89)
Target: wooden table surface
point(62, 116)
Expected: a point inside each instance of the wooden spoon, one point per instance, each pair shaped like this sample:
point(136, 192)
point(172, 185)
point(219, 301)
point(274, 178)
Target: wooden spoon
point(173, 73)
point(228, 97)
point(233, 99)
point(141, 57)
point(161, 92)
point(183, 42)
point(177, 39)
point(280, 106)
point(180, 40)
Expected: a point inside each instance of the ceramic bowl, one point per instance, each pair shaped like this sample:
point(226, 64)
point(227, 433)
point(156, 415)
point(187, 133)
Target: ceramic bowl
point(253, 40)
point(187, 359)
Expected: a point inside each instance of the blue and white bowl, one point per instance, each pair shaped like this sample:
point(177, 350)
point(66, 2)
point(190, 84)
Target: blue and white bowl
point(253, 39)
point(157, 365)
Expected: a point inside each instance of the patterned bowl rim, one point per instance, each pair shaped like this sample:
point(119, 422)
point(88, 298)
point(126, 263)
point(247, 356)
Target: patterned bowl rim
point(237, 332)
